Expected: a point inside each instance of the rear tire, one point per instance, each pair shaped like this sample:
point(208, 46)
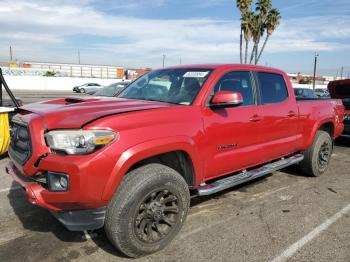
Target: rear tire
point(317, 157)
point(147, 211)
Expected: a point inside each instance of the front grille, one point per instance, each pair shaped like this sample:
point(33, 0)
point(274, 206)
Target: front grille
point(20, 146)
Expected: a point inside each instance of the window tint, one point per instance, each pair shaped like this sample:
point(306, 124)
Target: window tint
point(237, 82)
point(273, 88)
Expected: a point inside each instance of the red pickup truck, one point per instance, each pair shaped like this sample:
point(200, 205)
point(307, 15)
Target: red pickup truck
point(130, 164)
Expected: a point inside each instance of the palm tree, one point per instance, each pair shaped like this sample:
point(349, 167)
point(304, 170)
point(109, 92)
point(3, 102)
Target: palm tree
point(243, 6)
point(247, 22)
point(256, 33)
point(255, 24)
point(262, 8)
point(272, 22)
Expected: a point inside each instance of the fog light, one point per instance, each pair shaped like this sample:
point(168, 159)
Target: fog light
point(58, 182)
point(63, 182)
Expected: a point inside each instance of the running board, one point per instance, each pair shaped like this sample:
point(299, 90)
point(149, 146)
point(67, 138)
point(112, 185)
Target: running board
point(246, 176)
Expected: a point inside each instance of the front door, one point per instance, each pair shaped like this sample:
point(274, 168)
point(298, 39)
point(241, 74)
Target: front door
point(232, 134)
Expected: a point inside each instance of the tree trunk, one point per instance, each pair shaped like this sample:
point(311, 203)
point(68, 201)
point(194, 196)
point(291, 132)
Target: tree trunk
point(240, 47)
point(246, 51)
point(263, 47)
point(252, 55)
point(256, 54)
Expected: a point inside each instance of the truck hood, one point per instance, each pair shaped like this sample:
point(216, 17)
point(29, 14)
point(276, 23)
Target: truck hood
point(75, 112)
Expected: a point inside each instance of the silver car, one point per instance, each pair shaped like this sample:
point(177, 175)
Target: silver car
point(85, 88)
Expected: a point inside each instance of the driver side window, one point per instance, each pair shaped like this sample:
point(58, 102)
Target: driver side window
point(237, 82)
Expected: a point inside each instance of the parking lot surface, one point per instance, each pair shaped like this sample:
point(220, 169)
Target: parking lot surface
point(283, 217)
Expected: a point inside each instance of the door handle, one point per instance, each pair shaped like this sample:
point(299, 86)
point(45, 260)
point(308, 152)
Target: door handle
point(255, 118)
point(291, 114)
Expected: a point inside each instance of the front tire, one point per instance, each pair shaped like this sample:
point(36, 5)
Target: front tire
point(148, 210)
point(317, 157)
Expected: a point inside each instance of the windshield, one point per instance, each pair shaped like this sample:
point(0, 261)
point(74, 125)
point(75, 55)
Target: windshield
point(110, 90)
point(178, 86)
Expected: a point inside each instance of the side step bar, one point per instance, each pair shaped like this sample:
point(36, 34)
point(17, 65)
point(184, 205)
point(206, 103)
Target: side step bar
point(246, 176)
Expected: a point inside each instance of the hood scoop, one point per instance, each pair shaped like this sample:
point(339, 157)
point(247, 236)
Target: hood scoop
point(76, 100)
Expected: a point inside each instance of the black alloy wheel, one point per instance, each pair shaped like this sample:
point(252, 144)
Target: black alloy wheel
point(156, 217)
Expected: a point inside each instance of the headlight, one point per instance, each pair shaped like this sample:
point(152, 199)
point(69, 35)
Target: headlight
point(78, 142)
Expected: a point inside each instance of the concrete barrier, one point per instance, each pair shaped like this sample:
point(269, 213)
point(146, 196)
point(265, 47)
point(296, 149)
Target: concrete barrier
point(52, 83)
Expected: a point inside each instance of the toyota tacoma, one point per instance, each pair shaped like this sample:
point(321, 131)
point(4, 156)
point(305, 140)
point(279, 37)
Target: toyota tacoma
point(131, 164)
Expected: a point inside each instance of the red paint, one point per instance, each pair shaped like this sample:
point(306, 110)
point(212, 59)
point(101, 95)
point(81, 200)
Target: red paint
point(224, 97)
point(252, 135)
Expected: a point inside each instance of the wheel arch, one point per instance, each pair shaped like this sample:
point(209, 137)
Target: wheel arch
point(327, 125)
point(160, 151)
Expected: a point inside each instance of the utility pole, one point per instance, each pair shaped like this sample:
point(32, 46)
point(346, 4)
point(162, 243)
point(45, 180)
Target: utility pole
point(11, 53)
point(180, 60)
point(164, 56)
point(341, 73)
point(78, 56)
point(315, 67)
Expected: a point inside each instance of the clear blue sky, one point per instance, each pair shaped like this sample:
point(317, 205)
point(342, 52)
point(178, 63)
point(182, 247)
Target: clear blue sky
point(137, 33)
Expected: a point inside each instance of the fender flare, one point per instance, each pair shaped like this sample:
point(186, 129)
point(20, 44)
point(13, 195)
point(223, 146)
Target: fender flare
point(146, 150)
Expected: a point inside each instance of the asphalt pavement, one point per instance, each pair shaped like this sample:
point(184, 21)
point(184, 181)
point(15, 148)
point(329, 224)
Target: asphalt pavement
point(283, 217)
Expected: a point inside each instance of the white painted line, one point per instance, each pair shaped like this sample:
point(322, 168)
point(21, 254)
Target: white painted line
point(314, 233)
point(10, 189)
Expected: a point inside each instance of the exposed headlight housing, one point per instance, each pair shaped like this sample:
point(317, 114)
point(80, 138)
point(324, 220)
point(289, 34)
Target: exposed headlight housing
point(78, 142)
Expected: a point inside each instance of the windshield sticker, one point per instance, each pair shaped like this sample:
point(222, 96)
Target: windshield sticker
point(196, 74)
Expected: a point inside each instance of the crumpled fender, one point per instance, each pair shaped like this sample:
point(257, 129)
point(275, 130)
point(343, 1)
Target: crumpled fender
point(146, 150)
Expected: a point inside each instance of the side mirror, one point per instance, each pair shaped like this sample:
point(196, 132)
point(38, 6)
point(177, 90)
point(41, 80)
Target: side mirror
point(224, 99)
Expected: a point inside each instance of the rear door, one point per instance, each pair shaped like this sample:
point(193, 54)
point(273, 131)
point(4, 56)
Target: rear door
point(279, 127)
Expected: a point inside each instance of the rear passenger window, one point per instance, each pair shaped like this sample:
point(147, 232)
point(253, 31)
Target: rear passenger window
point(237, 82)
point(273, 88)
